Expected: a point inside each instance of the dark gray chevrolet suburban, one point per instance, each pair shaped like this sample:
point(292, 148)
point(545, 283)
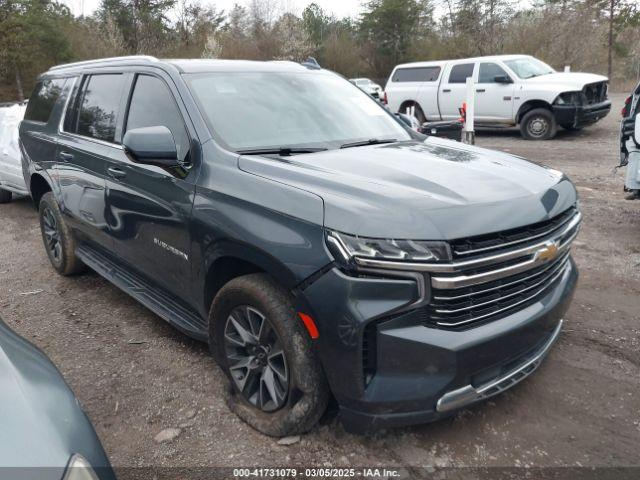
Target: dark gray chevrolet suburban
point(324, 251)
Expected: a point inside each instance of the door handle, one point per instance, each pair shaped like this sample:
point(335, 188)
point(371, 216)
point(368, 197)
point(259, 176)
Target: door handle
point(446, 90)
point(65, 156)
point(480, 90)
point(116, 172)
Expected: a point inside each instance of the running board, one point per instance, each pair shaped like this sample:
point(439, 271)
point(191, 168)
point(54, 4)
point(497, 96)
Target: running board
point(154, 299)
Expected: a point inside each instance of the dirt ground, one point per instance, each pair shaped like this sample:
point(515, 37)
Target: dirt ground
point(135, 375)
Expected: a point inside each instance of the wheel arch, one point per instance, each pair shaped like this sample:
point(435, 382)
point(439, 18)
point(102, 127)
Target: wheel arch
point(38, 186)
point(530, 105)
point(229, 260)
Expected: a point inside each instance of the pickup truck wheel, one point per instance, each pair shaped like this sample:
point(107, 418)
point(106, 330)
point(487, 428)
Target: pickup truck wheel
point(5, 196)
point(277, 383)
point(417, 112)
point(58, 239)
point(538, 124)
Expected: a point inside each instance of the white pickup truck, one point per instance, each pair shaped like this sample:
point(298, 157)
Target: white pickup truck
point(510, 90)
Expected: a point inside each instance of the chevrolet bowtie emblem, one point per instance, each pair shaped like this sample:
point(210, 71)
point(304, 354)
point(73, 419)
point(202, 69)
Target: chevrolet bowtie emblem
point(548, 252)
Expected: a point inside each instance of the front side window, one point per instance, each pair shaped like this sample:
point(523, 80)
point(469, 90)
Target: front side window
point(255, 110)
point(44, 97)
point(420, 74)
point(489, 71)
point(460, 73)
point(98, 110)
point(153, 104)
point(528, 67)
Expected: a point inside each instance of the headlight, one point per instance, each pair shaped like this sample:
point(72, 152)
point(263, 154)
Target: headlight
point(345, 247)
point(569, 98)
point(79, 469)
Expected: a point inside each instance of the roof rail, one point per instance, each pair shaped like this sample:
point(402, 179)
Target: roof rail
point(104, 60)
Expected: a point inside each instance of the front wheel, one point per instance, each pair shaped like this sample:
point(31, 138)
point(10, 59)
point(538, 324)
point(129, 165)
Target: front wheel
point(538, 124)
point(277, 383)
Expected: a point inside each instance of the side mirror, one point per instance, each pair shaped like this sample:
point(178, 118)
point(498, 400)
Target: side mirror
point(152, 146)
point(502, 79)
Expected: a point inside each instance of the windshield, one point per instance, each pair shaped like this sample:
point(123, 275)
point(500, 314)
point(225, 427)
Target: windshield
point(256, 110)
point(528, 67)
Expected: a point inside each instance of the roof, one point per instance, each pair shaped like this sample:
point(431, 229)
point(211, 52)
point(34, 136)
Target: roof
point(457, 60)
point(183, 65)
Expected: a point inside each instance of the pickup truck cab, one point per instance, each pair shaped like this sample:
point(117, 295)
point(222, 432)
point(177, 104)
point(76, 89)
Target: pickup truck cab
point(510, 90)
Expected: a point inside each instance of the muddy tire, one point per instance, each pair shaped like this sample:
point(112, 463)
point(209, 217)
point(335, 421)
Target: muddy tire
point(277, 383)
point(538, 124)
point(5, 196)
point(58, 239)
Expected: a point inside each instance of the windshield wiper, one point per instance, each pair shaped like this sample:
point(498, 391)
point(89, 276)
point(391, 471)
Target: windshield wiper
point(371, 141)
point(282, 151)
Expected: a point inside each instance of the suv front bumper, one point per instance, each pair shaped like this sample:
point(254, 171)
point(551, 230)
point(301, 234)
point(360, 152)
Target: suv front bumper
point(581, 115)
point(422, 373)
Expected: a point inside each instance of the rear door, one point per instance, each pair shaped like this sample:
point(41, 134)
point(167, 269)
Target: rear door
point(149, 207)
point(86, 143)
point(453, 88)
point(494, 101)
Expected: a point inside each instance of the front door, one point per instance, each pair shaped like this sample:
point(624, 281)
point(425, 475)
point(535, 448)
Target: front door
point(149, 207)
point(453, 89)
point(494, 101)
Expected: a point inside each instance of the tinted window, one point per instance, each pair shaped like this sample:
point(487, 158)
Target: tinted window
point(422, 74)
point(488, 71)
point(460, 73)
point(99, 107)
point(43, 99)
point(153, 104)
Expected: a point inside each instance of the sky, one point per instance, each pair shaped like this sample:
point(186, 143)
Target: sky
point(340, 8)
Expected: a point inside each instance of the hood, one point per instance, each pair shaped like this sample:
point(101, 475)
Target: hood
point(42, 423)
point(438, 189)
point(571, 81)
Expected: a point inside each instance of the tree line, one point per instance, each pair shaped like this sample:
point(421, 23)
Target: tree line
point(601, 36)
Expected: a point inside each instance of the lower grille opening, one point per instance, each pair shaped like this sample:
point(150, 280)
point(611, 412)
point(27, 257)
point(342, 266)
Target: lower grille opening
point(369, 352)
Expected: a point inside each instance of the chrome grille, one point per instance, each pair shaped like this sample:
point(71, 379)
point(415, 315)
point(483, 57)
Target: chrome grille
point(496, 281)
point(493, 275)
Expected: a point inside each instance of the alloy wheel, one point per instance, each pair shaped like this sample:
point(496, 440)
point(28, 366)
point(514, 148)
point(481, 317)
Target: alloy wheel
point(255, 358)
point(51, 234)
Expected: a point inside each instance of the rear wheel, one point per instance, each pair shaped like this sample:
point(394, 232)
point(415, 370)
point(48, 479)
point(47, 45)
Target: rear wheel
point(415, 110)
point(277, 383)
point(538, 124)
point(58, 239)
point(5, 196)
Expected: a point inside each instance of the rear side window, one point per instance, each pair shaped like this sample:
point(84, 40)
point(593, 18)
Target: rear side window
point(460, 73)
point(489, 71)
point(97, 109)
point(152, 105)
point(419, 74)
point(44, 97)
